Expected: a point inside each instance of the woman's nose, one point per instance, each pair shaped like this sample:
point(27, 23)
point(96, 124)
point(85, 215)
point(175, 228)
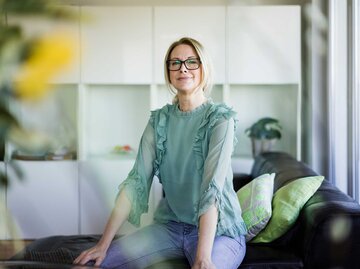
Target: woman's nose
point(183, 68)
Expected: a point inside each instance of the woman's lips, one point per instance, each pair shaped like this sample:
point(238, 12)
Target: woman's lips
point(184, 78)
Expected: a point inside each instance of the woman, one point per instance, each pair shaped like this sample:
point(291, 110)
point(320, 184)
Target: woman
point(188, 146)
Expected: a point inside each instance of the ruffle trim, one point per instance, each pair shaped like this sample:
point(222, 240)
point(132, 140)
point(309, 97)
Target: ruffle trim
point(136, 193)
point(215, 112)
point(159, 119)
point(211, 196)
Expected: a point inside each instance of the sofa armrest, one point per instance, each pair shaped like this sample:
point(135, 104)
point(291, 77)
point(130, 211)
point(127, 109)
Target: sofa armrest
point(240, 180)
point(329, 230)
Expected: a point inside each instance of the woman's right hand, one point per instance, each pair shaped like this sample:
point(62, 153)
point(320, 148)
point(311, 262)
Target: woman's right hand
point(96, 253)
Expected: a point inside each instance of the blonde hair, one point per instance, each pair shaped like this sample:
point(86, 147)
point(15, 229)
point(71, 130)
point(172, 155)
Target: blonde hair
point(206, 66)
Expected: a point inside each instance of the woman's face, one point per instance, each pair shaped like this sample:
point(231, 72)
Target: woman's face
point(185, 80)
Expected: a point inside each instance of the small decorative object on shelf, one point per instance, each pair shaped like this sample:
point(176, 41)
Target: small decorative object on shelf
point(125, 149)
point(263, 134)
point(41, 156)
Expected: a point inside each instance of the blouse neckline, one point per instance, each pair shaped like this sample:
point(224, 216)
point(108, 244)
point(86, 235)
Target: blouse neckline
point(193, 112)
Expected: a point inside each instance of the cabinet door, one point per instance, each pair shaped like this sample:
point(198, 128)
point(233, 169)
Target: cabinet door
point(116, 45)
point(99, 182)
point(36, 27)
point(46, 201)
point(264, 44)
point(206, 24)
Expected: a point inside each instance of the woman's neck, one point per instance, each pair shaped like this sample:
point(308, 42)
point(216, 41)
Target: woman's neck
point(188, 103)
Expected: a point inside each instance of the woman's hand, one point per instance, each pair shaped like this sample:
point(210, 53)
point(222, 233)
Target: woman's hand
point(203, 264)
point(96, 253)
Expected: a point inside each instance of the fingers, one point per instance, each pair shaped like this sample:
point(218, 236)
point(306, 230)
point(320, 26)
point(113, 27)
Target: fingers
point(99, 261)
point(84, 257)
point(93, 254)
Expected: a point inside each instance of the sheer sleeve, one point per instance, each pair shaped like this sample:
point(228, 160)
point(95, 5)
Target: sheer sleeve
point(138, 182)
point(217, 165)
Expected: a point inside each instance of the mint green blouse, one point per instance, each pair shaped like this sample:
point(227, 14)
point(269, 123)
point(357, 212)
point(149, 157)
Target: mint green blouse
point(190, 153)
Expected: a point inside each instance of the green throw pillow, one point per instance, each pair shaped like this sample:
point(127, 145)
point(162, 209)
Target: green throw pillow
point(255, 201)
point(287, 203)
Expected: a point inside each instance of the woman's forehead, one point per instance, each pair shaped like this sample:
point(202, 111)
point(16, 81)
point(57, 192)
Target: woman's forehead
point(183, 51)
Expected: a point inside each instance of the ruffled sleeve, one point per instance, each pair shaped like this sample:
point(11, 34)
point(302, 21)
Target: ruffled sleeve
point(216, 165)
point(138, 182)
point(159, 120)
point(216, 187)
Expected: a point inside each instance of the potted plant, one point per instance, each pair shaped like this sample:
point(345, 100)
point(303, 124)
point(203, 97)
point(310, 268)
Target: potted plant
point(263, 134)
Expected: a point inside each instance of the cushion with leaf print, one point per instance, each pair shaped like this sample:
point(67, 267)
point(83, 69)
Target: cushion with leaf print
point(255, 200)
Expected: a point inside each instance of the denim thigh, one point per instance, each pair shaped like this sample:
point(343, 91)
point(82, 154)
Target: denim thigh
point(149, 245)
point(227, 252)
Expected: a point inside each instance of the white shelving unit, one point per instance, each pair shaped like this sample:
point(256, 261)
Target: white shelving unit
point(264, 71)
point(118, 78)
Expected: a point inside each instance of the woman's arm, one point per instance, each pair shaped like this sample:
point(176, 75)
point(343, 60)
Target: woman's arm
point(215, 170)
point(143, 168)
point(207, 230)
point(118, 216)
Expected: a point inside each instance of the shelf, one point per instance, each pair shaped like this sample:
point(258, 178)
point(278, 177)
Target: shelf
point(55, 116)
point(114, 115)
point(252, 102)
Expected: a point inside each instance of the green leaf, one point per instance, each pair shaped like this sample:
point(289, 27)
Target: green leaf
point(265, 128)
point(33, 7)
point(6, 120)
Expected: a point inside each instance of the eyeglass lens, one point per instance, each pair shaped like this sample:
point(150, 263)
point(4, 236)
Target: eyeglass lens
point(190, 64)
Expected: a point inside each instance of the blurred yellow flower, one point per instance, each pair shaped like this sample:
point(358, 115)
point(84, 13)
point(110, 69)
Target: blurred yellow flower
point(49, 55)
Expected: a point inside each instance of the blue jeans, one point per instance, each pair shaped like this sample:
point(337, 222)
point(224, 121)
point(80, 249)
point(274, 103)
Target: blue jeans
point(160, 242)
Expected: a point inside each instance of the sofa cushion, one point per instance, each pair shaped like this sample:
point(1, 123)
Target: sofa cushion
point(255, 201)
point(261, 256)
point(286, 204)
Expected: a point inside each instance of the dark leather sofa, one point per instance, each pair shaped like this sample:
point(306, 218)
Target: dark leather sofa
point(326, 234)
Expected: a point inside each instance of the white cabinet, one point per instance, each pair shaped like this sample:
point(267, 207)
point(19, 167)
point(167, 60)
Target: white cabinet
point(207, 24)
point(99, 182)
point(36, 26)
point(264, 45)
point(46, 201)
point(116, 45)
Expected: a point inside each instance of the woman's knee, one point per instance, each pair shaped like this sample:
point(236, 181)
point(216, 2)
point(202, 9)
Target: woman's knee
point(228, 253)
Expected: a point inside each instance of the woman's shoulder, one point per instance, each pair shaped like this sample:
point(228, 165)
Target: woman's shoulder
point(221, 111)
point(160, 112)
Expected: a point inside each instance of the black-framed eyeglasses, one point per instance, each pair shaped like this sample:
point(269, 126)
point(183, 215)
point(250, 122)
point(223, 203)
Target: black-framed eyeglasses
point(190, 64)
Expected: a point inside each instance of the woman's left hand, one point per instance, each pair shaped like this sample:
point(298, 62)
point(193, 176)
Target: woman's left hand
point(203, 264)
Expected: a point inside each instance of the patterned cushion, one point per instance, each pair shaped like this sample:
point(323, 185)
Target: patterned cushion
point(255, 201)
